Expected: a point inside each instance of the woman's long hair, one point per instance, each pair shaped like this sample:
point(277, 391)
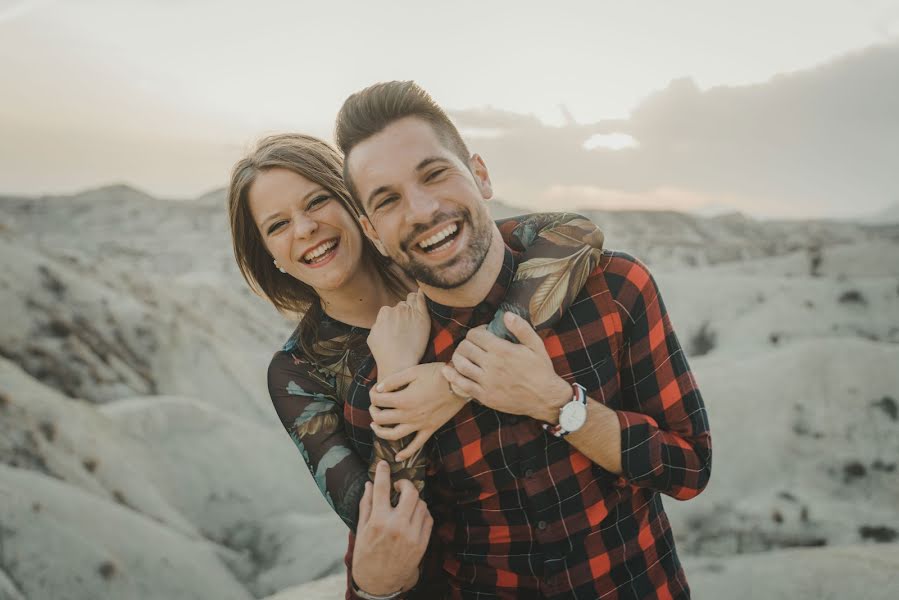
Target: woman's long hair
point(318, 162)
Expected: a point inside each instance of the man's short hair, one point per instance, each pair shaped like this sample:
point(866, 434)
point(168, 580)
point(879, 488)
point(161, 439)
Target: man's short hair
point(371, 110)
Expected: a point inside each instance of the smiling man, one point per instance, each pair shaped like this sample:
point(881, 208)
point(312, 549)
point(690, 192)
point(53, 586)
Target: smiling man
point(549, 486)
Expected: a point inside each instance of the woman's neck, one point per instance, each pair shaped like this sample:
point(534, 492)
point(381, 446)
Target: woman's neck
point(358, 301)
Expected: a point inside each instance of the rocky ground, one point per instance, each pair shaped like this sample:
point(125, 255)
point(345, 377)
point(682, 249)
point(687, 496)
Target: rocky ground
point(140, 456)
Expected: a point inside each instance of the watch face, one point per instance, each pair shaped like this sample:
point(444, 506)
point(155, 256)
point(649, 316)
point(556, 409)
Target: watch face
point(573, 416)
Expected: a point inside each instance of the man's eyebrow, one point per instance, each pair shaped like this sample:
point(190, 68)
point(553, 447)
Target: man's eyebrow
point(429, 161)
point(306, 197)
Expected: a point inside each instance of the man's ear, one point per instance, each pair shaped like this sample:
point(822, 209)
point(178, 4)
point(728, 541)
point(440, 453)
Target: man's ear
point(481, 176)
point(372, 235)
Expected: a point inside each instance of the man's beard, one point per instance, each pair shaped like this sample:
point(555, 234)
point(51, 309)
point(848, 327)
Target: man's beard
point(470, 259)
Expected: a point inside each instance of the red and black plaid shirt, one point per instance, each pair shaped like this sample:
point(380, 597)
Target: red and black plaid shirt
point(522, 514)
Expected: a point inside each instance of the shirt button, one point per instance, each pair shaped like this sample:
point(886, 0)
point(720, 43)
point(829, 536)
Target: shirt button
point(529, 473)
point(541, 525)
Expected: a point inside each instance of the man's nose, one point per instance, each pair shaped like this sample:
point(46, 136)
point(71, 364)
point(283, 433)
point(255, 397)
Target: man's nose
point(421, 206)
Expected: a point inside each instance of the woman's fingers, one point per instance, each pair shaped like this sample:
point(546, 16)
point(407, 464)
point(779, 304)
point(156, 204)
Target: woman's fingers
point(467, 368)
point(396, 381)
point(397, 432)
point(387, 416)
point(414, 446)
point(460, 384)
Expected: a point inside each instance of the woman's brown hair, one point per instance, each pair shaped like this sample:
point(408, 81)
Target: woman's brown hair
point(318, 162)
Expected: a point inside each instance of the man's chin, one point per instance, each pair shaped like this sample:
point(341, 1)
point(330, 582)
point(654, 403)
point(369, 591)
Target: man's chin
point(455, 274)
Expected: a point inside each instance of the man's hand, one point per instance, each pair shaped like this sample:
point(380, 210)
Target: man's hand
point(511, 378)
point(390, 542)
point(400, 334)
point(415, 399)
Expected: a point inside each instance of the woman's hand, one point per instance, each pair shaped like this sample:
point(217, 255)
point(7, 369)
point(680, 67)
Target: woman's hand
point(415, 399)
point(400, 334)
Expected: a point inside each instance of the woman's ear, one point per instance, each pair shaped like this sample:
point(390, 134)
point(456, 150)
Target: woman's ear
point(481, 176)
point(372, 235)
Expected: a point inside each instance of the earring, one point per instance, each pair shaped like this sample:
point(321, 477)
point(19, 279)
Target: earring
point(280, 268)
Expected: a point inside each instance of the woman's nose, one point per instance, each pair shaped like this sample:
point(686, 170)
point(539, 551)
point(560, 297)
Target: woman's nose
point(303, 226)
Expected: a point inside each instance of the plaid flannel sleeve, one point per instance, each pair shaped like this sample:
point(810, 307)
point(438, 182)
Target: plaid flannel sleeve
point(665, 438)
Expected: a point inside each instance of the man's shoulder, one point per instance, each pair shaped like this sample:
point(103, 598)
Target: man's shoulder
point(621, 271)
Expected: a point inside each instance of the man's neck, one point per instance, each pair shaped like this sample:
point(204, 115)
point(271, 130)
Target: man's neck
point(473, 291)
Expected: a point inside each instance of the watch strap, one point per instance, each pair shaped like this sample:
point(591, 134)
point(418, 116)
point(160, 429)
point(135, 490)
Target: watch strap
point(579, 395)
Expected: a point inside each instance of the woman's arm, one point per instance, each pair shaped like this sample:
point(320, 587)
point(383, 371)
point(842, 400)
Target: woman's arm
point(559, 250)
point(307, 405)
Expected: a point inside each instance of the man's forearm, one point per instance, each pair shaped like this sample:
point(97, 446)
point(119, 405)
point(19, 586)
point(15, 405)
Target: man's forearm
point(599, 438)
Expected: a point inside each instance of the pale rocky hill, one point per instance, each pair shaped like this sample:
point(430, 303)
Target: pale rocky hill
point(140, 456)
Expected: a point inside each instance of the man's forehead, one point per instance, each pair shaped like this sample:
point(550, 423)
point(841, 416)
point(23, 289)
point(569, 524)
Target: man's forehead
point(393, 152)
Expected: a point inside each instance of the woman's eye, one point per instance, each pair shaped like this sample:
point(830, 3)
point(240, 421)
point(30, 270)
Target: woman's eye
point(318, 201)
point(275, 226)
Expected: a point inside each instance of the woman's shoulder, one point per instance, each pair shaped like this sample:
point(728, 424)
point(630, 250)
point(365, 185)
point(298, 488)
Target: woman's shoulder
point(292, 361)
point(289, 358)
point(292, 343)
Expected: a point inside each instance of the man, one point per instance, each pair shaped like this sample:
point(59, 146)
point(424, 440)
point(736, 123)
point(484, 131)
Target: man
point(549, 485)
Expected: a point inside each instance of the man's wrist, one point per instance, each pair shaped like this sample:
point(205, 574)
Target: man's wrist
point(375, 589)
point(550, 405)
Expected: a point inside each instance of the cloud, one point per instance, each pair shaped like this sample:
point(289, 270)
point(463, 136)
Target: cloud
point(821, 141)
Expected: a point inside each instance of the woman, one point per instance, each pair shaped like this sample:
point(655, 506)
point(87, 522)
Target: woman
point(298, 243)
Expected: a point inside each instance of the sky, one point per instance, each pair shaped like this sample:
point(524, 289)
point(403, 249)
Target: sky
point(787, 109)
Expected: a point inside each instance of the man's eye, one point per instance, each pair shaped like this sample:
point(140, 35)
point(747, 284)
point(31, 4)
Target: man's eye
point(435, 173)
point(385, 202)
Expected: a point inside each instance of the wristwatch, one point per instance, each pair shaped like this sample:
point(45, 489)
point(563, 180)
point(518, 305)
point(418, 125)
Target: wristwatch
point(572, 415)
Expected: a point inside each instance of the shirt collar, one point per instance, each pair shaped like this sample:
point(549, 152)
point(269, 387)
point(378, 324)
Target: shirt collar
point(443, 314)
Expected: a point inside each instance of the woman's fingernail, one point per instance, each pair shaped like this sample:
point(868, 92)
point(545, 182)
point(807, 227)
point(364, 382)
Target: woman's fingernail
point(379, 387)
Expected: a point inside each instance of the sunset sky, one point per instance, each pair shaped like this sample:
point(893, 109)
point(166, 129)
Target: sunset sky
point(769, 107)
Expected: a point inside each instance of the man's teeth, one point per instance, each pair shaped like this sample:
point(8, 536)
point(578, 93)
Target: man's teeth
point(439, 236)
point(319, 250)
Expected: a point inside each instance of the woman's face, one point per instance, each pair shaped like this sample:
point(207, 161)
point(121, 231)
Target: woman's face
point(306, 229)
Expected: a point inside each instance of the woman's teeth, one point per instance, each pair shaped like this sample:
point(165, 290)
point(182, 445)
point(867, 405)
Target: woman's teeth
point(319, 251)
point(438, 237)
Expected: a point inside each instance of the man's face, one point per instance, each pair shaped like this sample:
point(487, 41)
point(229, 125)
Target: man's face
point(425, 207)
